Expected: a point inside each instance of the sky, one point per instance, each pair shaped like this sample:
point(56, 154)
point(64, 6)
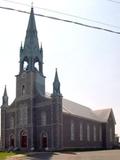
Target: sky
point(88, 60)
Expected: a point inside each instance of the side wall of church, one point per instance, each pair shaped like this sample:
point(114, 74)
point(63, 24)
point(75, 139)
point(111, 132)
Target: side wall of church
point(74, 138)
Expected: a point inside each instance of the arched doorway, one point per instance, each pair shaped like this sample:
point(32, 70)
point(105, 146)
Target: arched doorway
point(12, 141)
point(23, 139)
point(44, 141)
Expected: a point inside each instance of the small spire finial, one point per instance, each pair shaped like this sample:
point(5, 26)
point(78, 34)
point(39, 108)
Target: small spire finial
point(56, 75)
point(5, 91)
point(21, 48)
point(56, 85)
point(5, 97)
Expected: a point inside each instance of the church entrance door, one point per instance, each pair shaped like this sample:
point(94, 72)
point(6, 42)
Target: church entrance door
point(44, 141)
point(11, 141)
point(23, 139)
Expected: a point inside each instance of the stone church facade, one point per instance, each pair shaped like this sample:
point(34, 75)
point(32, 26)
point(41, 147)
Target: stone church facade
point(36, 120)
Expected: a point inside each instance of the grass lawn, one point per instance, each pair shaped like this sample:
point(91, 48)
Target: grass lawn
point(4, 155)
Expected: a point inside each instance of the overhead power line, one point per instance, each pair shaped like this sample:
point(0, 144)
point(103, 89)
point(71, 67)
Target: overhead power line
point(118, 2)
point(66, 14)
point(63, 20)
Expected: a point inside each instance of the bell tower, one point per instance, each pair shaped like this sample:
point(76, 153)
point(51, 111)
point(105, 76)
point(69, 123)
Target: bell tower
point(31, 81)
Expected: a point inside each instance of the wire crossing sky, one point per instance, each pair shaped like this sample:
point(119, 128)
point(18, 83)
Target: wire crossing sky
point(63, 20)
point(62, 13)
point(117, 2)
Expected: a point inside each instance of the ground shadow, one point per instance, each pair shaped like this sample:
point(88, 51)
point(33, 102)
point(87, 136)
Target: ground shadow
point(40, 155)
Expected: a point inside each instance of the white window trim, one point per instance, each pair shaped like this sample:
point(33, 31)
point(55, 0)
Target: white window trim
point(88, 132)
point(81, 131)
point(100, 133)
point(94, 133)
point(111, 134)
point(43, 118)
point(72, 131)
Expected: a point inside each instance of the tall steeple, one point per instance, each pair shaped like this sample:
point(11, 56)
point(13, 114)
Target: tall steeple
point(56, 85)
point(5, 97)
point(30, 80)
point(31, 54)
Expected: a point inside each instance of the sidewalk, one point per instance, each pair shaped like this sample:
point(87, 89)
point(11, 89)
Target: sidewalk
point(17, 157)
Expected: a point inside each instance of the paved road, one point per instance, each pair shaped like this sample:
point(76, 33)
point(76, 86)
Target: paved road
point(94, 155)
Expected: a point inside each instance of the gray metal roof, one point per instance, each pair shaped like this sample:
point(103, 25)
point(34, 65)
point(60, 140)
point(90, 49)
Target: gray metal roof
point(104, 114)
point(76, 109)
point(79, 110)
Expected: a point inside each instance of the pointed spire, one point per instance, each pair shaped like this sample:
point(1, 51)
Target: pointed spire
point(31, 51)
point(31, 45)
point(5, 97)
point(31, 24)
point(56, 77)
point(56, 85)
point(5, 91)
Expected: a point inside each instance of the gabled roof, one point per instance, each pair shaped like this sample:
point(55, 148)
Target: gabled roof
point(79, 110)
point(76, 109)
point(104, 114)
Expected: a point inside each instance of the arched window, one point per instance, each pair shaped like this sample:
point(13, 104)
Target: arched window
point(23, 139)
point(36, 65)
point(43, 118)
point(12, 141)
point(23, 116)
point(88, 132)
point(25, 65)
point(100, 133)
point(44, 140)
point(12, 122)
point(23, 90)
point(111, 135)
point(72, 131)
point(81, 131)
point(94, 133)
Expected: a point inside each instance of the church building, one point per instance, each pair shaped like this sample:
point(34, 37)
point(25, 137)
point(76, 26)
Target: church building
point(49, 122)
